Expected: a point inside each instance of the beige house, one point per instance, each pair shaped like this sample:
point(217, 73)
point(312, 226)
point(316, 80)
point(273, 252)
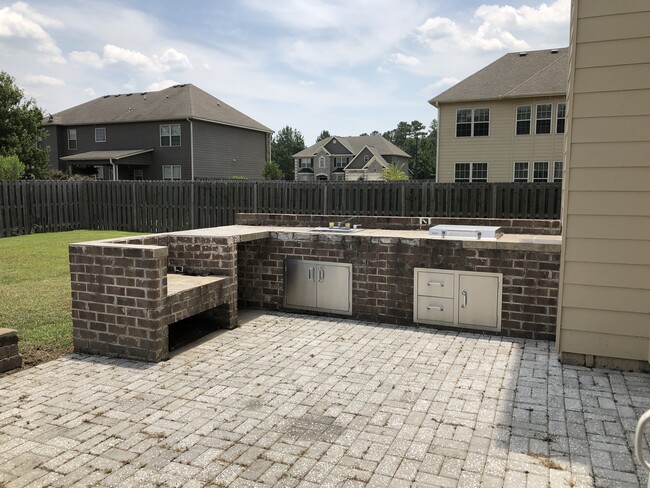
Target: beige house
point(348, 159)
point(506, 122)
point(604, 303)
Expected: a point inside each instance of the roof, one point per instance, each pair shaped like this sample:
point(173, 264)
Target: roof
point(358, 163)
point(173, 103)
point(355, 144)
point(105, 155)
point(515, 75)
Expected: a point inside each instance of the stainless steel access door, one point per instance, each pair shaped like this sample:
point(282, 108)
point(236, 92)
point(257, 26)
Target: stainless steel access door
point(300, 284)
point(478, 300)
point(333, 290)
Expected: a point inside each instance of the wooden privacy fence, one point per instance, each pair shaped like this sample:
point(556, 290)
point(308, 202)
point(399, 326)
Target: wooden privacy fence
point(162, 206)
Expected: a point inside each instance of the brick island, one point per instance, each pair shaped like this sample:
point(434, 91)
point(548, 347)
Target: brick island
point(127, 291)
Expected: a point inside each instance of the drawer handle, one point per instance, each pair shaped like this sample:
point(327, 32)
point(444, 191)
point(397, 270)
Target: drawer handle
point(464, 293)
point(434, 307)
point(439, 283)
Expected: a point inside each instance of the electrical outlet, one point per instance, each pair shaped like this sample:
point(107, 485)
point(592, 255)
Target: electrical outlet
point(178, 269)
point(425, 220)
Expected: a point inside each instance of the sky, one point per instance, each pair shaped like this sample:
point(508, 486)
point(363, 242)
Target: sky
point(346, 66)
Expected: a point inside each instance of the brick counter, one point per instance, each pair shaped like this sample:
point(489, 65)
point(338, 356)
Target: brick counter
point(382, 280)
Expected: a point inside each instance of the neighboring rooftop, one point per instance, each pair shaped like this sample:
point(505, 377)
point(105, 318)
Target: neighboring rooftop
point(354, 144)
point(515, 75)
point(173, 103)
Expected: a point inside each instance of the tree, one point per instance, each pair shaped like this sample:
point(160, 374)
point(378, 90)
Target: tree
point(286, 142)
point(21, 128)
point(11, 168)
point(419, 143)
point(323, 135)
point(272, 171)
point(392, 172)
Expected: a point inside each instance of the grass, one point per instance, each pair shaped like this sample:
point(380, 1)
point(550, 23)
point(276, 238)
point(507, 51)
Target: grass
point(35, 290)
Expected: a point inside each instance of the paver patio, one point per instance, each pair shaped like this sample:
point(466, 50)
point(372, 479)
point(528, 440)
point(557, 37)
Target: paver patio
point(294, 400)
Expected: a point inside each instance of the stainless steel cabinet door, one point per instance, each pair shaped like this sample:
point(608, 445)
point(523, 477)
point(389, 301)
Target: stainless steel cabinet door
point(300, 284)
point(478, 300)
point(333, 290)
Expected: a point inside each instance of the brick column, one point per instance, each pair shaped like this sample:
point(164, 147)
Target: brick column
point(117, 300)
point(10, 358)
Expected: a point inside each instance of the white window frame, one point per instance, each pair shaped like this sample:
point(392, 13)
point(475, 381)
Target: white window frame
point(100, 129)
point(534, 178)
point(170, 134)
point(321, 162)
point(514, 172)
point(549, 118)
point(305, 163)
point(473, 122)
point(71, 139)
point(472, 166)
point(529, 120)
point(174, 172)
point(558, 118)
point(340, 162)
point(138, 174)
point(555, 177)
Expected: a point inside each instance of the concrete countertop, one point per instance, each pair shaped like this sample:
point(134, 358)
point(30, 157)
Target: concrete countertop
point(244, 233)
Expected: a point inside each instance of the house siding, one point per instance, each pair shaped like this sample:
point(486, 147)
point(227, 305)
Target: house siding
point(52, 140)
point(502, 148)
point(605, 269)
point(222, 151)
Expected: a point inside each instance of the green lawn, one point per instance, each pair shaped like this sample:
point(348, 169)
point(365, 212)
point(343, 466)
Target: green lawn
point(35, 290)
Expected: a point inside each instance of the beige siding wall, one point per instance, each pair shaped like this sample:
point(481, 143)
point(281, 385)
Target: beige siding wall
point(502, 147)
point(605, 275)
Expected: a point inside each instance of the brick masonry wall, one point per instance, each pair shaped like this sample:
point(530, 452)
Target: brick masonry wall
point(382, 286)
point(10, 358)
point(510, 226)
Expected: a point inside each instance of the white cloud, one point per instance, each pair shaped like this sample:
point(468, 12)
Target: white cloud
point(88, 58)
point(439, 86)
point(43, 80)
point(307, 82)
point(21, 29)
point(90, 92)
point(161, 85)
point(170, 60)
point(403, 60)
point(499, 28)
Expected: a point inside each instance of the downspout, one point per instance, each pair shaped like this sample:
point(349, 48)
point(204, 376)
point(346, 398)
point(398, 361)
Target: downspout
point(114, 169)
point(191, 148)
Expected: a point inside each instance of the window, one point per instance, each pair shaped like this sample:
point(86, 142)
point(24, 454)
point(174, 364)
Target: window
point(472, 122)
point(171, 172)
point(321, 162)
point(521, 172)
point(341, 162)
point(366, 158)
point(543, 120)
point(100, 134)
point(305, 162)
point(72, 139)
point(170, 135)
point(523, 120)
point(557, 171)
point(138, 174)
point(561, 116)
point(470, 173)
point(540, 172)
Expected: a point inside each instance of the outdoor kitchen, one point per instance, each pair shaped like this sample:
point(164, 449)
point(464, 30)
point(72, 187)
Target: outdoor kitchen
point(481, 275)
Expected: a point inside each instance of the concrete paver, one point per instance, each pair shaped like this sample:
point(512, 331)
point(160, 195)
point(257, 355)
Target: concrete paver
point(294, 400)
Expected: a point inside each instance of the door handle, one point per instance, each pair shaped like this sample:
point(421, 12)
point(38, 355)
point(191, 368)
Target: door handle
point(464, 293)
point(310, 273)
point(321, 274)
point(638, 439)
point(432, 307)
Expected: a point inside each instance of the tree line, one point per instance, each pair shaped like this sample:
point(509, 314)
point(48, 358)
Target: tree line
point(414, 138)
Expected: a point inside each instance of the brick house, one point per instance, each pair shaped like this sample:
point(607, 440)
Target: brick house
point(348, 159)
point(179, 133)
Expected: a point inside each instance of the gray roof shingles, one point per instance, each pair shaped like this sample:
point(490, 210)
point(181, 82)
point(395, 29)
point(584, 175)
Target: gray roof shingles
point(355, 144)
point(537, 73)
point(174, 103)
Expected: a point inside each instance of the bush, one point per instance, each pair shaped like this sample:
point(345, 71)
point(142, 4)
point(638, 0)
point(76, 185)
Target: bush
point(272, 171)
point(11, 168)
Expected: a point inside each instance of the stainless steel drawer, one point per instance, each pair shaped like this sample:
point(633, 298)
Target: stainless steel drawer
point(435, 309)
point(434, 284)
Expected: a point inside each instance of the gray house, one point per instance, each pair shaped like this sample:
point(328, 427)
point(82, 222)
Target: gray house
point(179, 133)
point(348, 159)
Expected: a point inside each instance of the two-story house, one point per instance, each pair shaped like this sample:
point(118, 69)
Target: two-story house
point(179, 133)
point(348, 159)
point(505, 122)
